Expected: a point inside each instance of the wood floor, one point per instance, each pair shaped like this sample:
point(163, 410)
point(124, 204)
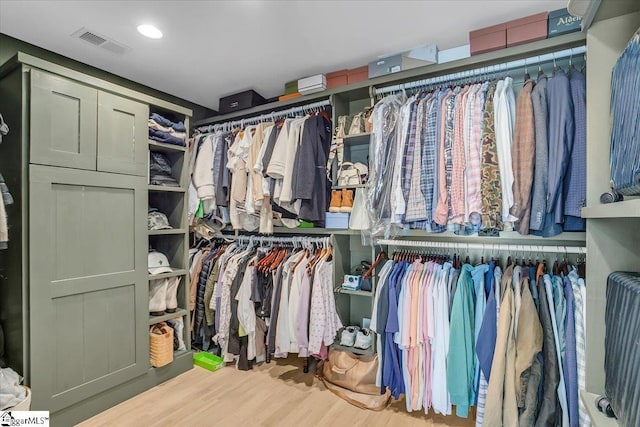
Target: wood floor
point(274, 394)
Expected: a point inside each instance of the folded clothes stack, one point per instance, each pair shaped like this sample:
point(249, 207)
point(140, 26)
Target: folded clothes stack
point(160, 171)
point(164, 130)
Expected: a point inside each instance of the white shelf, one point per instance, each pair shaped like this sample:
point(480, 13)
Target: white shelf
point(167, 316)
point(361, 138)
point(172, 231)
point(624, 209)
point(358, 293)
point(174, 273)
point(598, 419)
point(348, 187)
point(165, 148)
point(163, 188)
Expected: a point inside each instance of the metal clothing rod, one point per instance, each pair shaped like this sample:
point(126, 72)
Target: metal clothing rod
point(265, 117)
point(520, 63)
point(484, 246)
point(274, 239)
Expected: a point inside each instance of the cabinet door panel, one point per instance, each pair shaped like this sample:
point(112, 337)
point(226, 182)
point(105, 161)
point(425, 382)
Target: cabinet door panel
point(62, 122)
point(122, 135)
point(88, 281)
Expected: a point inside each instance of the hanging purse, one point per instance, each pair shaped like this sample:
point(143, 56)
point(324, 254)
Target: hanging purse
point(359, 219)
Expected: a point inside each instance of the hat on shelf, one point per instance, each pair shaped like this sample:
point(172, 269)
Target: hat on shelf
point(158, 263)
point(157, 220)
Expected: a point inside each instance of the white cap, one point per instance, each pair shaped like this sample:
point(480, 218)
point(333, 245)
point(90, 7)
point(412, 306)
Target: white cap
point(158, 263)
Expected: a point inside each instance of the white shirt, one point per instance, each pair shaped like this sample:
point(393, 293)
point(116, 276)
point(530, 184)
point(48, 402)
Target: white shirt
point(504, 139)
point(246, 310)
point(440, 399)
point(294, 303)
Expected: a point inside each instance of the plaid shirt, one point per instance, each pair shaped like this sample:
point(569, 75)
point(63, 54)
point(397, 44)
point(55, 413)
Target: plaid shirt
point(444, 158)
point(416, 207)
point(524, 152)
point(409, 148)
point(458, 161)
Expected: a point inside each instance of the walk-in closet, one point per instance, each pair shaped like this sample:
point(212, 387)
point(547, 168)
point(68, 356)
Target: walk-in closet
point(357, 213)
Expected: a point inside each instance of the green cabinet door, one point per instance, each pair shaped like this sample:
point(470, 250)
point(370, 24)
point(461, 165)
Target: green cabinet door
point(88, 291)
point(62, 122)
point(122, 135)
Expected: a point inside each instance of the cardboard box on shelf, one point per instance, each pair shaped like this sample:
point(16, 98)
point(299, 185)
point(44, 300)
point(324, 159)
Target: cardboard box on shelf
point(488, 39)
point(527, 29)
point(337, 79)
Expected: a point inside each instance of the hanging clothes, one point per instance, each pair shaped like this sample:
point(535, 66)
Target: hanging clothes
point(494, 347)
point(252, 301)
point(260, 175)
point(469, 158)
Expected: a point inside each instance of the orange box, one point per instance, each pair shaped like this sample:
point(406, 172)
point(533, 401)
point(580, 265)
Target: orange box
point(336, 79)
point(359, 74)
point(488, 39)
point(527, 29)
point(289, 96)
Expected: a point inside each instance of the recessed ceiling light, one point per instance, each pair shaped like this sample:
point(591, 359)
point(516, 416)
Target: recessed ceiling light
point(150, 31)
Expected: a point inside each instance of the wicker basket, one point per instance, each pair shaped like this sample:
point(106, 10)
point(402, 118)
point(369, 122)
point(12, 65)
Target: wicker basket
point(25, 405)
point(161, 344)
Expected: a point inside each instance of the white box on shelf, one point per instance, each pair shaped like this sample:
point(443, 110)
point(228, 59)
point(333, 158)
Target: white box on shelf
point(428, 54)
point(312, 84)
point(454, 54)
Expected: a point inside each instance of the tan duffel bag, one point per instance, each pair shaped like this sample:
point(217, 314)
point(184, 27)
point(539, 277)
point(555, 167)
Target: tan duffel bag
point(353, 378)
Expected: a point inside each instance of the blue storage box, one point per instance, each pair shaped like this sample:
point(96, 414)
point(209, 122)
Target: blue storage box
point(336, 220)
point(562, 22)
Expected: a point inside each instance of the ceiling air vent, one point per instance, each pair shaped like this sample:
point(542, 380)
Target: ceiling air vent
point(92, 38)
point(100, 41)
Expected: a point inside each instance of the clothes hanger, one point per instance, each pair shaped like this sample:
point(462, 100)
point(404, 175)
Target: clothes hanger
point(381, 256)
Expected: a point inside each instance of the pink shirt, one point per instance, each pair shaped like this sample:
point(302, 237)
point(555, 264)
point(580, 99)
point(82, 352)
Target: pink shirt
point(442, 210)
point(459, 158)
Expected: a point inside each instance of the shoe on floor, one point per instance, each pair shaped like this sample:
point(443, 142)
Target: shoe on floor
point(364, 339)
point(348, 336)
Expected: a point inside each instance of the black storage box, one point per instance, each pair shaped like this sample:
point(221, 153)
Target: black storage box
point(240, 101)
point(562, 22)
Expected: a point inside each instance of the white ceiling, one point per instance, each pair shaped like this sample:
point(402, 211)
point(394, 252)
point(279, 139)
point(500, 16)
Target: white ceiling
point(214, 48)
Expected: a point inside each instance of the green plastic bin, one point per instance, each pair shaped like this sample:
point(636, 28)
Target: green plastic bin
point(208, 361)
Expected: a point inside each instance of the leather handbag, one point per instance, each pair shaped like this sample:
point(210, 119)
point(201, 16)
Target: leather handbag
point(359, 219)
point(353, 378)
point(351, 371)
point(348, 175)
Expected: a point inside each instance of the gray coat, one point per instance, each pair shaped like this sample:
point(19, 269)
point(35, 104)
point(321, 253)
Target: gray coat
point(541, 173)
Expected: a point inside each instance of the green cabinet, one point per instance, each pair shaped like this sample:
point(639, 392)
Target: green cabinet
point(74, 125)
point(63, 122)
point(74, 296)
point(88, 283)
point(122, 135)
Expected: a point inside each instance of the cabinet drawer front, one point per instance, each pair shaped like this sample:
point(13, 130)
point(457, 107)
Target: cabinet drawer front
point(123, 135)
point(88, 283)
point(63, 125)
